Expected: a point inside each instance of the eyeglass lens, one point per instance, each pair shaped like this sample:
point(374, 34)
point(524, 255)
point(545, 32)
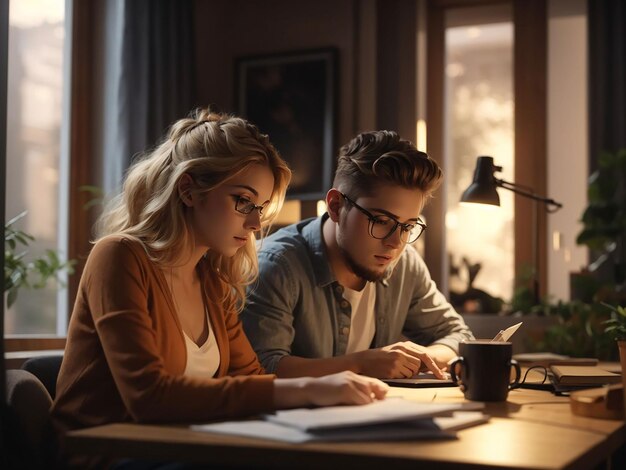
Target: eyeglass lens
point(245, 206)
point(383, 227)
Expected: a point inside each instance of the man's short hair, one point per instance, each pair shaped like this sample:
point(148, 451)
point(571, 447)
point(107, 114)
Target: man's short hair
point(382, 157)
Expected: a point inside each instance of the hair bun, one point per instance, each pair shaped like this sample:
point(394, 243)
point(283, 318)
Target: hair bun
point(196, 119)
point(213, 117)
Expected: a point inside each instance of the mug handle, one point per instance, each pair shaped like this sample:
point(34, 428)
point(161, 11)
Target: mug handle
point(452, 366)
point(518, 374)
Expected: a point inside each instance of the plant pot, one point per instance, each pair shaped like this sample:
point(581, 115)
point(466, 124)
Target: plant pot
point(621, 344)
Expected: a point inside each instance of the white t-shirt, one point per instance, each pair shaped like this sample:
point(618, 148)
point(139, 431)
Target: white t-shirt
point(202, 361)
point(363, 323)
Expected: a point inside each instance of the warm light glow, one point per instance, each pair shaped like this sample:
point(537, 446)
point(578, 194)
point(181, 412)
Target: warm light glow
point(556, 240)
point(321, 208)
point(482, 207)
point(503, 442)
point(455, 70)
point(567, 255)
point(452, 221)
point(420, 135)
point(478, 118)
point(289, 214)
point(473, 32)
point(32, 13)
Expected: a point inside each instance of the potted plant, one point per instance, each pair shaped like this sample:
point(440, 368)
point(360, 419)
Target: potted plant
point(616, 327)
point(604, 224)
point(18, 272)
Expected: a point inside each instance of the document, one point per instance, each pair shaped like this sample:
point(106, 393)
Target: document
point(382, 411)
point(389, 419)
point(439, 427)
point(505, 335)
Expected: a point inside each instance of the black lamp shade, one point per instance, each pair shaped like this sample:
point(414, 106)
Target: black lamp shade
point(483, 187)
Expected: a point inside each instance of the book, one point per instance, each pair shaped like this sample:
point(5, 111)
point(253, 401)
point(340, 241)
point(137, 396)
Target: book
point(546, 359)
point(583, 375)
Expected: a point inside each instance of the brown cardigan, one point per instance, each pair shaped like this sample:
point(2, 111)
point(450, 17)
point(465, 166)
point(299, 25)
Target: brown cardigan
point(126, 354)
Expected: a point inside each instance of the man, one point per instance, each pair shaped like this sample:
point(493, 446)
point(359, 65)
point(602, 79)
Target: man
point(342, 291)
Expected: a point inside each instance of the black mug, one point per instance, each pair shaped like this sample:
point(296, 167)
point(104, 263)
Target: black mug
point(485, 370)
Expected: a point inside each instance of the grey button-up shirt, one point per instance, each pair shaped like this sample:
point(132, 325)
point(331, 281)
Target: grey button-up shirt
point(297, 306)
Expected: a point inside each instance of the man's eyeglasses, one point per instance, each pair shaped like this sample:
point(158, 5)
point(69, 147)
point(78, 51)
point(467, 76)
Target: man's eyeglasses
point(383, 226)
point(244, 205)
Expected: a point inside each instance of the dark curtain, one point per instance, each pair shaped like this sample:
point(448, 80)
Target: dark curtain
point(607, 113)
point(156, 71)
point(607, 77)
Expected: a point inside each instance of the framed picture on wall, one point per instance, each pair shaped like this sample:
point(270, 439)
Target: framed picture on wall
point(291, 97)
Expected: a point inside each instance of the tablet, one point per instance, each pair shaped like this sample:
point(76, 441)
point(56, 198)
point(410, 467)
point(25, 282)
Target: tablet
point(422, 380)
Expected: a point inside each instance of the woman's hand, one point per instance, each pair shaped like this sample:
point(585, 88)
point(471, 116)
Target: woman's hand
point(343, 388)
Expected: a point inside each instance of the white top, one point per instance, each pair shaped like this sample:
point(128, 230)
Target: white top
point(363, 324)
point(202, 361)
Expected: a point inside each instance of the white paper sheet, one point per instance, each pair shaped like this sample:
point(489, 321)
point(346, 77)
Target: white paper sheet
point(425, 428)
point(505, 335)
point(383, 411)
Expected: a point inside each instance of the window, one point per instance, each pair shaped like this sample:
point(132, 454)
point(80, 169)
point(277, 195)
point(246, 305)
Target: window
point(35, 151)
point(478, 120)
point(514, 133)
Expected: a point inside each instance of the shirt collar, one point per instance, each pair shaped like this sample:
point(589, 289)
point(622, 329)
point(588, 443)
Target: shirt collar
point(312, 233)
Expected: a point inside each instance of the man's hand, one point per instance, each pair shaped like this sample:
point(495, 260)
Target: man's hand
point(398, 360)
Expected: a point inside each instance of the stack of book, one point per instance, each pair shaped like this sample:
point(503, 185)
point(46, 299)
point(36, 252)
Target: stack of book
point(389, 419)
point(583, 376)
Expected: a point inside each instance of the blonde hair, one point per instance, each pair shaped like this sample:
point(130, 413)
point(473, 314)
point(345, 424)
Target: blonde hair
point(211, 148)
point(372, 158)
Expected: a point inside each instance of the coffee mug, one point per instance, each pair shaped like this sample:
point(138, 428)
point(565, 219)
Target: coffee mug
point(485, 370)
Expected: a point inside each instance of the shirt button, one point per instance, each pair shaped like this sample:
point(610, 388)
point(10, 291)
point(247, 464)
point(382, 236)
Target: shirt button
point(381, 320)
point(344, 304)
point(345, 331)
point(339, 289)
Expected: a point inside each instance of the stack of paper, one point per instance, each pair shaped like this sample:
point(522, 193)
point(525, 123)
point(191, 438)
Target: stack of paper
point(390, 419)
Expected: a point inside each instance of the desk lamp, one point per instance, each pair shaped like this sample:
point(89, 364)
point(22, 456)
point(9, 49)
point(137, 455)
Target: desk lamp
point(482, 190)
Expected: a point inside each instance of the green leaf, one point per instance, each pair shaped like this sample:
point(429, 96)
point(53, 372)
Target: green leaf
point(11, 296)
point(18, 272)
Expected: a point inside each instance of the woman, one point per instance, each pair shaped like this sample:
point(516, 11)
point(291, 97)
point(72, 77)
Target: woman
point(155, 334)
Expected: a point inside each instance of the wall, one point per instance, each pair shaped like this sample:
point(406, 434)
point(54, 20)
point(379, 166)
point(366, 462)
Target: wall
point(228, 29)
point(567, 139)
point(375, 40)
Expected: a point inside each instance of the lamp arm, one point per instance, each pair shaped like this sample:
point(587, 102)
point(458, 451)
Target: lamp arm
point(529, 194)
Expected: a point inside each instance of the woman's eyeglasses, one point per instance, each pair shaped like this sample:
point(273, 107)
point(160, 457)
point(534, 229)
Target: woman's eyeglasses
point(244, 205)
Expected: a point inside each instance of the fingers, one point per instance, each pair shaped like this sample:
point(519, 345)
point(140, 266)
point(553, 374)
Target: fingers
point(403, 364)
point(344, 388)
point(433, 367)
point(421, 354)
point(379, 389)
point(366, 389)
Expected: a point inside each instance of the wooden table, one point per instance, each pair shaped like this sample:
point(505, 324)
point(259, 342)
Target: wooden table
point(532, 430)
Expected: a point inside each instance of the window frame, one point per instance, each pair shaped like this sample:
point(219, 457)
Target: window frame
point(82, 167)
point(530, 116)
